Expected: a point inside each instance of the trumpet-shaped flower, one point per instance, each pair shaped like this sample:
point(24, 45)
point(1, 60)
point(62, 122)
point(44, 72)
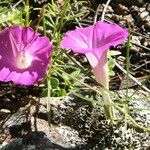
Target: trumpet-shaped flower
point(24, 55)
point(94, 41)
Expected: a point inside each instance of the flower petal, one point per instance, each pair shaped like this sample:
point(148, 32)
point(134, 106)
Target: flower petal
point(43, 46)
point(76, 40)
point(98, 37)
point(16, 42)
point(95, 58)
point(113, 34)
point(5, 44)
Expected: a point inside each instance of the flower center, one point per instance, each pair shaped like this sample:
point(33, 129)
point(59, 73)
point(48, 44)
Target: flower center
point(24, 60)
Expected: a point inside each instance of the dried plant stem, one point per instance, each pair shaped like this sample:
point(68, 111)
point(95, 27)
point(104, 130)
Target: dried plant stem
point(139, 45)
point(96, 14)
point(48, 83)
point(127, 66)
point(79, 24)
point(134, 79)
point(15, 5)
point(104, 11)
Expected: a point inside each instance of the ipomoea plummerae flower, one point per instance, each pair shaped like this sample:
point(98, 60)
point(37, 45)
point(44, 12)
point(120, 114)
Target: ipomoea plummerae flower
point(24, 55)
point(94, 41)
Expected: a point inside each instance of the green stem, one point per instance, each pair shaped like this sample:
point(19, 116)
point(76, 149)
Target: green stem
point(44, 26)
point(134, 123)
point(108, 106)
point(41, 18)
point(101, 73)
point(27, 13)
point(48, 101)
point(127, 69)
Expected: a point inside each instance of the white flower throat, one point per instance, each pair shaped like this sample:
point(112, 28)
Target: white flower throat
point(24, 60)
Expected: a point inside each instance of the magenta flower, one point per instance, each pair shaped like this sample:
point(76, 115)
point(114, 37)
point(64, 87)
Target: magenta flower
point(94, 41)
point(24, 55)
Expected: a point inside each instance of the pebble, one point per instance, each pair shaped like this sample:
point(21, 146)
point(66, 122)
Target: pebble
point(147, 6)
point(5, 111)
point(122, 10)
point(136, 40)
point(144, 16)
point(147, 25)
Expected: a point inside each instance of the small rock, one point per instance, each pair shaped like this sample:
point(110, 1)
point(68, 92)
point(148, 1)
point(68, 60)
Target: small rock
point(3, 114)
point(147, 6)
point(16, 119)
point(134, 9)
point(70, 136)
point(116, 18)
point(147, 25)
point(14, 145)
point(142, 9)
point(109, 9)
point(5, 111)
point(145, 41)
point(136, 40)
point(127, 20)
point(144, 16)
point(121, 9)
point(130, 2)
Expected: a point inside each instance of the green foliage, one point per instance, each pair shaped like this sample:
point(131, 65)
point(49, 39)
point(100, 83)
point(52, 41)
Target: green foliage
point(56, 90)
point(9, 17)
point(111, 65)
point(5, 1)
point(56, 17)
point(112, 61)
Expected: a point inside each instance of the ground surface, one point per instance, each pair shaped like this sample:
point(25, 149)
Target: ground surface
point(75, 125)
point(78, 124)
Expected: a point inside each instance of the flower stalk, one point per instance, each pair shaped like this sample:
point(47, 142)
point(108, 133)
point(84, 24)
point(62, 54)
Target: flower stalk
point(27, 13)
point(101, 73)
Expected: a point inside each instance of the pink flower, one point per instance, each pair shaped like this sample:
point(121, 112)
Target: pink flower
point(94, 41)
point(24, 55)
